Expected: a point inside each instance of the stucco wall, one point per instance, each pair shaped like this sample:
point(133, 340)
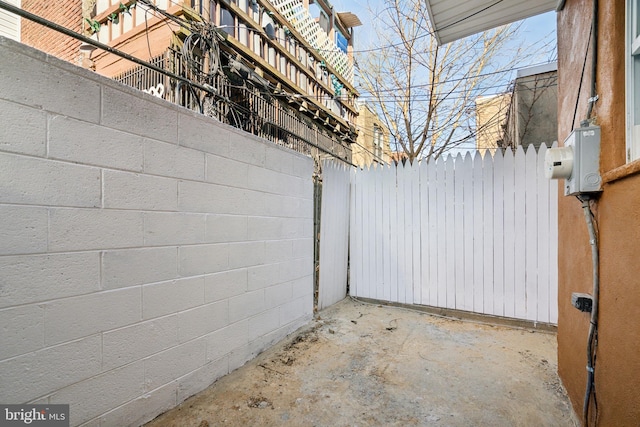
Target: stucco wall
point(145, 251)
point(537, 109)
point(617, 365)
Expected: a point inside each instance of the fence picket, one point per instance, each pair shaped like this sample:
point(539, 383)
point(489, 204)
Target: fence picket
point(487, 199)
point(387, 193)
point(450, 229)
point(519, 235)
point(467, 226)
point(425, 252)
point(441, 200)
point(379, 237)
point(509, 228)
point(369, 237)
point(498, 233)
point(415, 236)
point(458, 239)
point(531, 234)
point(406, 204)
point(478, 233)
point(432, 235)
point(393, 247)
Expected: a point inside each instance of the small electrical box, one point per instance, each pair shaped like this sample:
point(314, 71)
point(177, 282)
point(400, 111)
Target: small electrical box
point(578, 162)
point(583, 302)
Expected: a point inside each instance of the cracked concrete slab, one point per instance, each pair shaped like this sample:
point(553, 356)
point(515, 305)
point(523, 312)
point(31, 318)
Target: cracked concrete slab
point(360, 364)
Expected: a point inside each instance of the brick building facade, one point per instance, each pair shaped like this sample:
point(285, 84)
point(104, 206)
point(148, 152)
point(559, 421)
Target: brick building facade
point(67, 13)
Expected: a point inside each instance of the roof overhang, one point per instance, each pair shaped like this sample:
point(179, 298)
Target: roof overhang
point(349, 19)
point(456, 19)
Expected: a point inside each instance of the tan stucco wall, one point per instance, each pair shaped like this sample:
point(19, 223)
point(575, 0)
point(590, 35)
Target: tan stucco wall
point(618, 217)
point(362, 151)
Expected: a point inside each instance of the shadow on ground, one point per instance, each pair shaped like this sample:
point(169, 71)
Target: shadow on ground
point(359, 364)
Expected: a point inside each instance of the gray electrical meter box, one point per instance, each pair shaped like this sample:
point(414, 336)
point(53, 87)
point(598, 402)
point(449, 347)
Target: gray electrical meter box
point(585, 176)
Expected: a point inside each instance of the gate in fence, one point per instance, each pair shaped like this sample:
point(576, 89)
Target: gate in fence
point(466, 233)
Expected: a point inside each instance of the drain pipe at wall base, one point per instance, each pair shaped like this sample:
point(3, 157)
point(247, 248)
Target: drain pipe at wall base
point(592, 340)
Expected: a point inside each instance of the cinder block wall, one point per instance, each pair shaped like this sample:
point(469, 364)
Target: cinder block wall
point(145, 251)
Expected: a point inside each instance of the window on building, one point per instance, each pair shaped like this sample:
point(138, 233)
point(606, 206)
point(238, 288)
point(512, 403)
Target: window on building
point(341, 41)
point(633, 80)
point(197, 6)
point(377, 142)
point(323, 20)
point(319, 16)
point(227, 22)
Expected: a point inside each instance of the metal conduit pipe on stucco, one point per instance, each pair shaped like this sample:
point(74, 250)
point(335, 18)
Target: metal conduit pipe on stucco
point(593, 324)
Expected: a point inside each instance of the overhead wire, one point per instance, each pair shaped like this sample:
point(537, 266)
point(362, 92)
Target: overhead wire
point(49, 24)
point(364, 96)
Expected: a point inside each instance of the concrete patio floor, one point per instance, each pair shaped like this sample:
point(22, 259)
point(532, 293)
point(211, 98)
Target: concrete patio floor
point(359, 364)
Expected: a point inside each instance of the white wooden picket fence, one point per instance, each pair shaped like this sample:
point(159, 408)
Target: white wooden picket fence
point(334, 234)
point(475, 234)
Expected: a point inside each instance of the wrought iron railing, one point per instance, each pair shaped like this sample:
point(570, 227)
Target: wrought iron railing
point(240, 105)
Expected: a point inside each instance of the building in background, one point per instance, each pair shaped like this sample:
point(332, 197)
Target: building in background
point(532, 116)
point(67, 13)
point(281, 69)
point(491, 114)
point(372, 145)
point(525, 116)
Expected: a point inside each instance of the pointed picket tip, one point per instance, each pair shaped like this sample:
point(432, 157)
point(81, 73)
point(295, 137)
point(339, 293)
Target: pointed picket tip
point(531, 151)
point(498, 157)
point(467, 156)
point(477, 157)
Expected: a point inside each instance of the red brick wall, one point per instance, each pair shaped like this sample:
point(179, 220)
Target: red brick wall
point(67, 13)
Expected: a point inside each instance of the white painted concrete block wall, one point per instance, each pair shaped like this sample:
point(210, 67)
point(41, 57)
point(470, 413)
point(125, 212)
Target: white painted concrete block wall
point(145, 251)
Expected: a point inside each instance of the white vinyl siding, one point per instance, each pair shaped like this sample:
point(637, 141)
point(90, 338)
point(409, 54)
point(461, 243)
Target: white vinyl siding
point(10, 23)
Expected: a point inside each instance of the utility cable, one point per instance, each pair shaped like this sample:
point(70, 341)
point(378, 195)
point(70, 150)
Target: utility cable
point(39, 20)
point(593, 323)
point(584, 64)
point(594, 59)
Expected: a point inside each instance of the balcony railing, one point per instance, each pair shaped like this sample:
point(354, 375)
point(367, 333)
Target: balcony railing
point(305, 24)
point(241, 106)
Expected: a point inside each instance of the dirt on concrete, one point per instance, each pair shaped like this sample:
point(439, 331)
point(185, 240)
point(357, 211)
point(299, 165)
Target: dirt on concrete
point(360, 364)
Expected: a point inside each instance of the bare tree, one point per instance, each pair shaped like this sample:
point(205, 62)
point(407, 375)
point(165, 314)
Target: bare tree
point(528, 107)
point(425, 92)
